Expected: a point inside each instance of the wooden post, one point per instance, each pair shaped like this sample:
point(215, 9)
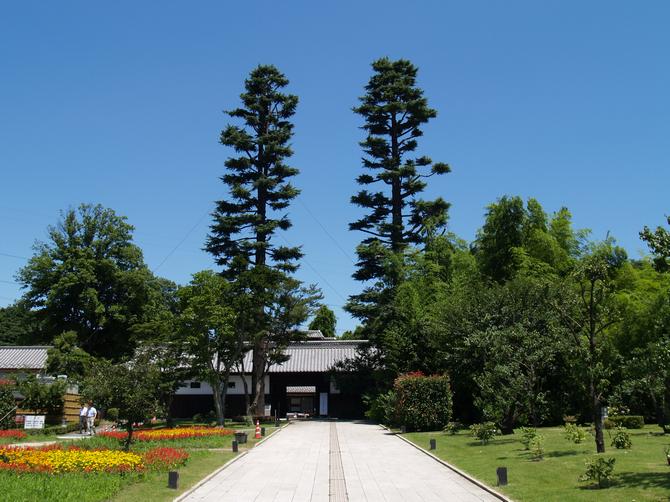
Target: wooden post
point(433, 444)
point(234, 446)
point(173, 479)
point(502, 476)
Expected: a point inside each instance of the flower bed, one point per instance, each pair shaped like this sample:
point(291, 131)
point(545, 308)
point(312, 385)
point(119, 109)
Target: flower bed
point(56, 459)
point(171, 434)
point(13, 434)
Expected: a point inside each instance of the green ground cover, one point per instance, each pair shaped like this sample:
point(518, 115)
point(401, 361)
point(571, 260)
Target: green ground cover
point(154, 486)
point(641, 473)
point(206, 454)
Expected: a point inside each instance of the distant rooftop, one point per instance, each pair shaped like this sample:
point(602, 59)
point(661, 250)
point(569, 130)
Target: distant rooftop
point(312, 356)
point(32, 357)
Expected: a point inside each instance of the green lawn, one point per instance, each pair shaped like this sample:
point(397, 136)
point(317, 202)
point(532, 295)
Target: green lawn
point(640, 474)
point(154, 486)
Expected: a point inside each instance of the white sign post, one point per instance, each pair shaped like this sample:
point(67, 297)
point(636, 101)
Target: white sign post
point(33, 422)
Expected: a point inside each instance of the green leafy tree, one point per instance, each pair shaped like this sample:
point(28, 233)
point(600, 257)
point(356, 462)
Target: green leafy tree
point(324, 320)
point(593, 312)
point(43, 397)
point(522, 238)
point(18, 325)
point(207, 322)
point(243, 237)
point(659, 243)
point(132, 387)
point(163, 345)
point(519, 341)
point(89, 278)
point(394, 109)
point(65, 358)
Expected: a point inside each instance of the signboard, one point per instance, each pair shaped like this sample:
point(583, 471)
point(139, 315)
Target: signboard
point(33, 422)
point(267, 410)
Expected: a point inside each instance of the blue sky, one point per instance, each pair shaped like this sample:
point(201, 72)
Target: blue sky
point(122, 105)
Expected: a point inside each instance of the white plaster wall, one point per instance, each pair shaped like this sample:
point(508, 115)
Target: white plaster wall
point(206, 389)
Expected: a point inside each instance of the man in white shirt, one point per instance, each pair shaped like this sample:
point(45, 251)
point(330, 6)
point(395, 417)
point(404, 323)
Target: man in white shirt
point(90, 415)
point(83, 418)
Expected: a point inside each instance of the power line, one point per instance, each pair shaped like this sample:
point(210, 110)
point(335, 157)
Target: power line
point(9, 282)
point(337, 244)
point(181, 241)
point(14, 256)
point(316, 271)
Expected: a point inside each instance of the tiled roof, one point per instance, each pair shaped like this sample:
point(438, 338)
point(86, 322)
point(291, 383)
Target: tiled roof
point(312, 356)
point(30, 357)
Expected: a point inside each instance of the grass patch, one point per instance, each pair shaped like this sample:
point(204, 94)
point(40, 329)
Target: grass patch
point(640, 474)
point(62, 487)
point(154, 486)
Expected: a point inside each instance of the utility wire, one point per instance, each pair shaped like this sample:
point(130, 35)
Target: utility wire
point(14, 256)
point(181, 241)
point(335, 241)
point(315, 271)
point(9, 282)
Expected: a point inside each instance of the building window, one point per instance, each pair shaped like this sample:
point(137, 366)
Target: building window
point(195, 385)
point(231, 385)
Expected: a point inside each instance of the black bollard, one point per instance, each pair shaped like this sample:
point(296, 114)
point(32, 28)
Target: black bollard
point(433, 444)
point(277, 424)
point(263, 431)
point(502, 476)
point(234, 446)
point(173, 479)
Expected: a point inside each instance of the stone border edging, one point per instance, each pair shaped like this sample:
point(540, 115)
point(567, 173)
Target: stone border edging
point(453, 468)
point(231, 461)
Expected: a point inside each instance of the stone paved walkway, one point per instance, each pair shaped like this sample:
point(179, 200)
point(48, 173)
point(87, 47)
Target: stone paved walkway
point(297, 465)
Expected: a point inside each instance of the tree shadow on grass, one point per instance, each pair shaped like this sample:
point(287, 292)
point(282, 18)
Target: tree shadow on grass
point(642, 480)
point(493, 442)
point(566, 453)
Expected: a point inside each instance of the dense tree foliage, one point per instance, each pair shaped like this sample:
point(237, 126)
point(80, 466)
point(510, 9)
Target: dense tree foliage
point(18, 324)
point(324, 320)
point(91, 279)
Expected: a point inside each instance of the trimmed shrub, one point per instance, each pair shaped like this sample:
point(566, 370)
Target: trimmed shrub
point(599, 469)
point(423, 403)
point(527, 435)
point(536, 447)
point(381, 408)
point(452, 428)
point(621, 439)
point(627, 421)
point(574, 433)
point(484, 432)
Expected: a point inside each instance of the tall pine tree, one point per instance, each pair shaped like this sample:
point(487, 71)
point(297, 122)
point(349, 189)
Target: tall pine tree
point(394, 109)
point(241, 237)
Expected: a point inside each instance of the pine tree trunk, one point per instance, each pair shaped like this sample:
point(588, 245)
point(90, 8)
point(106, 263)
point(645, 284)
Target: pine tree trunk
point(396, 195)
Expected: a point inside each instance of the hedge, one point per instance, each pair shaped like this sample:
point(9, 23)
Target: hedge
point(627, 421)
point(422, 403)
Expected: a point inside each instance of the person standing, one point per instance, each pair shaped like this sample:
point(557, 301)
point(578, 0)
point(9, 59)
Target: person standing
point(83, 418)
point(90, 415)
